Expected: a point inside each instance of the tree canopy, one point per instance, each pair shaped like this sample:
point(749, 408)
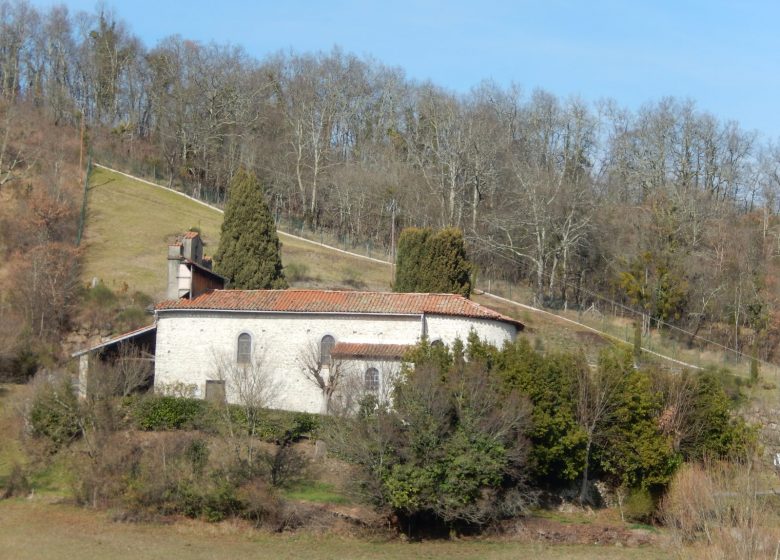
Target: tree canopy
point(249, 250)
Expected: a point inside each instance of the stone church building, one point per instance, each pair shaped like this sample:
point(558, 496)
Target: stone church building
point(204, 337)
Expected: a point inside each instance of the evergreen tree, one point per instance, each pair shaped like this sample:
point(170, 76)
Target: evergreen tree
point(435, 262)
point(249, 251)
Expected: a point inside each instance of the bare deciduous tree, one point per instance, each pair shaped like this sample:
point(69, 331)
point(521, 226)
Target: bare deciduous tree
point(124, 373)
point(251, 386)
point(326, 375)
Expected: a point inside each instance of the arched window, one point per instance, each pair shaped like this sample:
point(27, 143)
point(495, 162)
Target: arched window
point(244, 349)
point(326, 347)
point(371, 382)
point(437, 343)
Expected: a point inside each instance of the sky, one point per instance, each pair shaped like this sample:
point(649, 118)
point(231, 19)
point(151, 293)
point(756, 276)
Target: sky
point(723, 55)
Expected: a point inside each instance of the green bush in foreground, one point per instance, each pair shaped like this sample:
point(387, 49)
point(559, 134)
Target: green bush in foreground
point(170, 413)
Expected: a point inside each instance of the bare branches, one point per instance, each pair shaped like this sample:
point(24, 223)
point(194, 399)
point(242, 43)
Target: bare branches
point(327, 375)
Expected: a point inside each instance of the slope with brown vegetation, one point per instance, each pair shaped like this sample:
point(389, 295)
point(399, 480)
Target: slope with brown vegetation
point(40, 199)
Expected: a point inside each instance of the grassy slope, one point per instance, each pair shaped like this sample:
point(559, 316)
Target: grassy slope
point(130, 225)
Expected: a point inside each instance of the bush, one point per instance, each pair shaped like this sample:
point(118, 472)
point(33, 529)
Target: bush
point(17, 483)
point(101, 296)
point(276, 426)
point(54, 412)
point(170, 413)
point(638, 506)
point(720, 506)
point(141, 299)
point(20, 366)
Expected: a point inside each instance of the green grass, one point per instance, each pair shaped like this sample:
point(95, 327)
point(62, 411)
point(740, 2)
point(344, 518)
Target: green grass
point(319, 492)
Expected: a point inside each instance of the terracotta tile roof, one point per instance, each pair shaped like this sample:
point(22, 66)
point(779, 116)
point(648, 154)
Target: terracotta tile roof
point(190, 235)
point(366, 350)
point(326, 301)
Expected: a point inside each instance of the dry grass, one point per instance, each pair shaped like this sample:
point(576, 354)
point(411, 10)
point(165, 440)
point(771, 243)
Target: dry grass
point(723, 510)
point(33, 530)
point(131, 223)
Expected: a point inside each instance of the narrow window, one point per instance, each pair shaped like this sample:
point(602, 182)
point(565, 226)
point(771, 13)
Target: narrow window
point(326, 347)
point(215, 390)
point(372, 380)
point(244, 353)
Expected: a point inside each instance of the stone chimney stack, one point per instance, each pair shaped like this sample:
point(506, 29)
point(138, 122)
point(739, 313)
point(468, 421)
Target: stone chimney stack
point(192, 246)
point(189, 273)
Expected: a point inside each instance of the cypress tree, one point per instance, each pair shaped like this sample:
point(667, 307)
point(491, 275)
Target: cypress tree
point(249, 251)
point(435, 262)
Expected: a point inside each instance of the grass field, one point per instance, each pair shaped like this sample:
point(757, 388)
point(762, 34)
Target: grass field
point(130, 223)
point(31, 529)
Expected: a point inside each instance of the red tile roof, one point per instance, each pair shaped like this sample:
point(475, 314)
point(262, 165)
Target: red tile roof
point(326, 301)
point(365, 350)
point(190, 235)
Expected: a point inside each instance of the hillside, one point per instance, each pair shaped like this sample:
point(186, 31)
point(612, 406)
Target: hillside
point(130, 222)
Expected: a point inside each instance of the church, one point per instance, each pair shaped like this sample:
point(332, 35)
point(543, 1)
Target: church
point(208, 342)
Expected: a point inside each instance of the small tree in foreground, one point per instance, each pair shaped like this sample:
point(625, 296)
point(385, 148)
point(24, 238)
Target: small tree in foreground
point(249, 253)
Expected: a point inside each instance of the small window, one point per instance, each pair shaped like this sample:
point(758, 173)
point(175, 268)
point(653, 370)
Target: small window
point(215, 390)
point(372, 380)
point(326, 347)
point(244, 353)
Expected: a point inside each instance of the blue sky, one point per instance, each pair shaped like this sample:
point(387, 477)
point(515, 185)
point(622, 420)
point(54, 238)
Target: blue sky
point(723, 55)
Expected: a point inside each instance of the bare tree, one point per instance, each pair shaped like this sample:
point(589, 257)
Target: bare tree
point(597, 389)
point(325, 373)
point(124, 373)
point(251, 386)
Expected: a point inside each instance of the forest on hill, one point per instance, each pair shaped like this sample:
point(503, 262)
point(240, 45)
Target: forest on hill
point(667, 209)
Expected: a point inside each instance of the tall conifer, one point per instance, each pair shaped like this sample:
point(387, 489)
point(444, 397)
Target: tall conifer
point(249, 251)
point(434, 262)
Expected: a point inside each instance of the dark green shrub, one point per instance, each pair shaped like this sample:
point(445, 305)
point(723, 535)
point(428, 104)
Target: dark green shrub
point(20, 366)
point(275, 426)
point(170, 413)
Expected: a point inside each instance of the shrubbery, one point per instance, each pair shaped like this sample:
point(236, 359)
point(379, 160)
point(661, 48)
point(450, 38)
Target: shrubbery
point(54, 413)
point(153, 413)
point(169, 413)
point(456, 446)
point(471, 434)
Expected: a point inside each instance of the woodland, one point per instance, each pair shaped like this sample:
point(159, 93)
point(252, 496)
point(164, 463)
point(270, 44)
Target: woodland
point(666, 209)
